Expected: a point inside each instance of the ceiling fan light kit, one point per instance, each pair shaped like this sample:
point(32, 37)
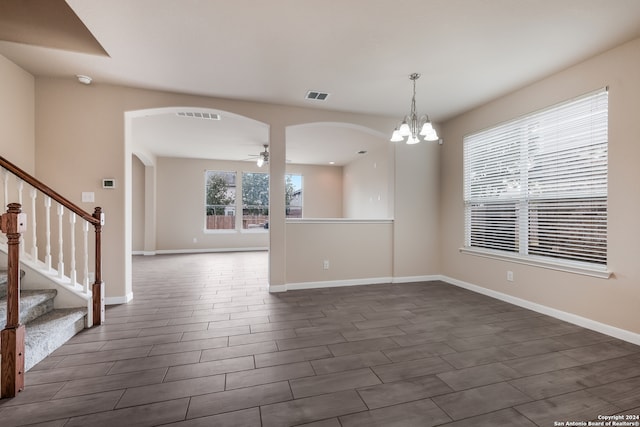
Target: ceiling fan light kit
point(263, 156)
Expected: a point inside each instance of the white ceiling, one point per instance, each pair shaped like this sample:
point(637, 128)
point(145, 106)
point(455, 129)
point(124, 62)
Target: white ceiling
point(360, 51)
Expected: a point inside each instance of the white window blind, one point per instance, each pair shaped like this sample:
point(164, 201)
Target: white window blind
point(537, 185)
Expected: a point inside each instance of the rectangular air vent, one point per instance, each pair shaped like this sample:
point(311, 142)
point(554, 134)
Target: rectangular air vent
point(317, 96)
point(199, 115)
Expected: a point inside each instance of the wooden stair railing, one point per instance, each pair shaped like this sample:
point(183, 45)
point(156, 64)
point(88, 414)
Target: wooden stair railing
point(13, 225)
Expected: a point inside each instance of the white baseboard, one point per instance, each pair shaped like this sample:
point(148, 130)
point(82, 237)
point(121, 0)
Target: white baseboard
point(416, 279)
point(277, 288)
point(603, 328)
point(330, 284)
point(118, 300)
point(207, 250)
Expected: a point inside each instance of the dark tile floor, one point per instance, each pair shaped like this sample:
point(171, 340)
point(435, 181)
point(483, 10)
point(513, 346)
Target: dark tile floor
point(205, 344)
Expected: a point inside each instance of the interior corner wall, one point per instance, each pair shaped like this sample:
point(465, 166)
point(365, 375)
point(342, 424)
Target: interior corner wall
point(17, 115)
point(417, 215)
point(614, 301)
point(366, 186)
point(321, 190)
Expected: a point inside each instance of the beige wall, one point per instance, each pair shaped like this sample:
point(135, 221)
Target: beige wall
point(180, 207)
point(17, 110)
point(321, 190)
point(81, 138)
point(358, 252)
point(416, 212)
point(613, 301)
point(180, 182)
point(137, 204)
point(368, 185)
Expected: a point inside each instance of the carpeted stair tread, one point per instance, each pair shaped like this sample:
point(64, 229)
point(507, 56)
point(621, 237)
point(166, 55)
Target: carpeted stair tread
point(33, 303)
point(46, 328)
point(3, 282)
point(49, 331)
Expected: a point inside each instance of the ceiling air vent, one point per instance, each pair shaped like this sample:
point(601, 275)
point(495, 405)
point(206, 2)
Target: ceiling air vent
point(316, 96)
point(198, 115)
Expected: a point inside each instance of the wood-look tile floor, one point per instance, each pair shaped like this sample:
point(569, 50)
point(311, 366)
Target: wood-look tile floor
point(204, 344)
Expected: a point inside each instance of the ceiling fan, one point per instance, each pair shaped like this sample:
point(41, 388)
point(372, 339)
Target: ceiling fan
point(262, 157)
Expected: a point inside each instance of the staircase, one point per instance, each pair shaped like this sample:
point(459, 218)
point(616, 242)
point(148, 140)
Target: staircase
point(35, 314)
point(46, 328)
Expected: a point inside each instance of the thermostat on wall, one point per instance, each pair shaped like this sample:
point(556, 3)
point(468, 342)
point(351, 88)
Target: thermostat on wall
point(108, 183)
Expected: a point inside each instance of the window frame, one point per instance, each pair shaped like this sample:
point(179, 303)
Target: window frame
point(506, 149)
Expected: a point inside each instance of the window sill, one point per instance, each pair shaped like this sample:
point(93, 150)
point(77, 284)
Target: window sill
point(220, 231)
point(254, 230)
point(566, 266)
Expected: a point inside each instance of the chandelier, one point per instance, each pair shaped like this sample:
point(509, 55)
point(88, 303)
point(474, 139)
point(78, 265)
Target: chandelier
point(414, 127)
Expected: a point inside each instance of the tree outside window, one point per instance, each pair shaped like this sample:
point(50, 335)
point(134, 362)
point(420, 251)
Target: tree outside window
point(255, 200)
point(220, 206)
point(293, 196)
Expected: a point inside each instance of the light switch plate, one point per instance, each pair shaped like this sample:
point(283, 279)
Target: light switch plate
point(88, 197)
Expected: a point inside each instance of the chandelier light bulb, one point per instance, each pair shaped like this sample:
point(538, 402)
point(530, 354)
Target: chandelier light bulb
point(396, 137)
point(404, 129)
point(260, 162)
point(431, 136)
point(412, 140)
point(427, 128)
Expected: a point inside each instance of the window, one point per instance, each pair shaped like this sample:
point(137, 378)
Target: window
point(293, 195)
point(536, 186)
point(220, 204)
point(255, 200)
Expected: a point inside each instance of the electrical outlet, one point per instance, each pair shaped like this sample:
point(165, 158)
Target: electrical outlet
point(510, 276)
point(325, 264)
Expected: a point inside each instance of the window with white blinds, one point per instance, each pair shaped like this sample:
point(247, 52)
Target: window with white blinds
point(537, 186)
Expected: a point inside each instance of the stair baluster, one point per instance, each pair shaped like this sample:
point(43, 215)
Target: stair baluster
point(20, 202)
point(72, 236)
point(85, 257)
point(34, 236)
point(47, 224)
point(60, 242)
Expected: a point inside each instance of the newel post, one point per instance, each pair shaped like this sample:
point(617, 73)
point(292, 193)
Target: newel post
point(13, 224)
point(97, 289)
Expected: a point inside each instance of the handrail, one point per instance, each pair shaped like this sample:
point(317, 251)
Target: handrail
point(48, 191)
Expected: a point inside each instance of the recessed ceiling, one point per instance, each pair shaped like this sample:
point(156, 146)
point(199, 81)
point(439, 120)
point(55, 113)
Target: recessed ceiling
point(172, 134)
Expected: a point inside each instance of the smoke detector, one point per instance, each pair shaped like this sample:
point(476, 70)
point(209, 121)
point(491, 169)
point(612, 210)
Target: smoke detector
point(85, 80)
